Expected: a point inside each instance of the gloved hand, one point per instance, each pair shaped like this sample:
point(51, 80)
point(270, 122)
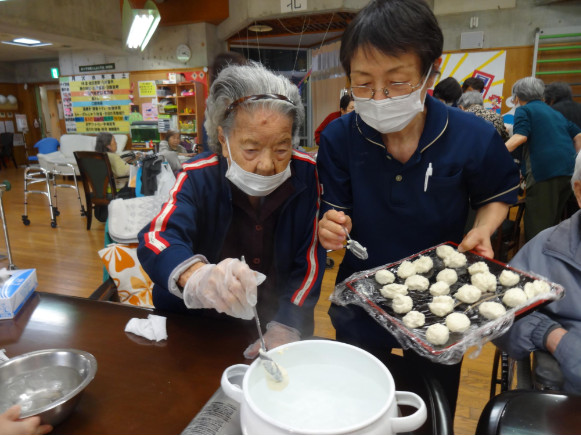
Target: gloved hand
point(276, 334)
point(229, 287)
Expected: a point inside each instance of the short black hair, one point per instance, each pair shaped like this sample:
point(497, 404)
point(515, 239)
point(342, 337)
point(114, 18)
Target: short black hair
point(557, 91)
point(473, 82)
point(345, 100)
point(448, 90)
point(103, 141)
point(394, 27)
point(224, 60)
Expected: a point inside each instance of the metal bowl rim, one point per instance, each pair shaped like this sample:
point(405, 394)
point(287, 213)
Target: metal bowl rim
point(86, 380)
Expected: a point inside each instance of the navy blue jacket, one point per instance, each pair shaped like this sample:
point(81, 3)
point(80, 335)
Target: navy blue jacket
point(196, 219)
point(399, 209)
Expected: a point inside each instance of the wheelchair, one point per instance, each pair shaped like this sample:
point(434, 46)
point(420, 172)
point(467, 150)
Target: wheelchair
point(533, 403)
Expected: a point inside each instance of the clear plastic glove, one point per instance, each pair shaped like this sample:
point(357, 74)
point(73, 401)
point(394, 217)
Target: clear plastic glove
point(229, 287)
point(276, 334)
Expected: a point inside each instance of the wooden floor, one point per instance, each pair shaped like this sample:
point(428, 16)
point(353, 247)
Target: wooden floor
point(67, 262)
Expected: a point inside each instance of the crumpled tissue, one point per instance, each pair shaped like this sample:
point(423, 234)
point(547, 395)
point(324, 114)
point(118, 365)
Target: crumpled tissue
point(152, 328)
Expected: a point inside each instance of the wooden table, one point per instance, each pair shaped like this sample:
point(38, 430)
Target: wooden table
point(147, 387)
point(141, 386)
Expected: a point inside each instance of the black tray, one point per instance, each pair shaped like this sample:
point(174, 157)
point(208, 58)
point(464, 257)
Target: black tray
point(362, 289)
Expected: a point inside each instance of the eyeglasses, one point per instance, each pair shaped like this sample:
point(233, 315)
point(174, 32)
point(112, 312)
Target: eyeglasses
point(257, 97)
point(395, 90)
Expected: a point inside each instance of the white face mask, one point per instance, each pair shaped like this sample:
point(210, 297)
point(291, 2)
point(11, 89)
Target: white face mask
point(254, 184)
point(389, 115)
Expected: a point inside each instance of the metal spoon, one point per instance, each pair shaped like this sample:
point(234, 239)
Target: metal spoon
point(355, 247)
point(269, 365)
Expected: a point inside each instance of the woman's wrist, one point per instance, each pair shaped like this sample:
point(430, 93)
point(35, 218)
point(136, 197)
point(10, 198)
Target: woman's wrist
point(188, 273)
point(554, 338)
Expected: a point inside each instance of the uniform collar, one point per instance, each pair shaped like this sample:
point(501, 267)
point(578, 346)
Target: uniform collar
point(436, 124)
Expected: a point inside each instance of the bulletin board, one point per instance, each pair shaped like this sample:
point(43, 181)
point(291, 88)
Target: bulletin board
point(96, 103)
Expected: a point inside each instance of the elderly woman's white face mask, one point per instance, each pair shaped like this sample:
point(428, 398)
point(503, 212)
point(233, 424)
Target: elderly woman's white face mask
point(259, 150)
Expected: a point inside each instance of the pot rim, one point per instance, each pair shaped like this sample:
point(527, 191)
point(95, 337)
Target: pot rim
point(338, 430)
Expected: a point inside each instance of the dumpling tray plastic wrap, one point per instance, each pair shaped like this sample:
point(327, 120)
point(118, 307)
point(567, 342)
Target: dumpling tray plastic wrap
point(363, 290)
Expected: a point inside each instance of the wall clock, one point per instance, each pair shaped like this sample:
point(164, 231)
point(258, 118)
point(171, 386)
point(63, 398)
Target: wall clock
point(183, 53)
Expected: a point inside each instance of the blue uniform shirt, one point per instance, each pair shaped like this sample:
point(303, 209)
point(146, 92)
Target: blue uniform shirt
point(399, 209)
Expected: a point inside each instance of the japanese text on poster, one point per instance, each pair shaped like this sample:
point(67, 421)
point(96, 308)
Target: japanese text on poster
point(96, 103)
point(147, 88)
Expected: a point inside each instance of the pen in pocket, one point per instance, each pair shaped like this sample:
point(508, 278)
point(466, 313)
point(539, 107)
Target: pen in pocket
point(429, 172)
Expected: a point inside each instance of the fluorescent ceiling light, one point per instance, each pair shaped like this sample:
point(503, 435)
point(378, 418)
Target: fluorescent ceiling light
point(26, 42)
point(139, 24)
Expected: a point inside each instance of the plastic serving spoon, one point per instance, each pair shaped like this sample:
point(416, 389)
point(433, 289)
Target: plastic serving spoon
point(355, 247)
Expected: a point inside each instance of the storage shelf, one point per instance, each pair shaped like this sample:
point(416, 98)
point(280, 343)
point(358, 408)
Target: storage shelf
point(190, 103)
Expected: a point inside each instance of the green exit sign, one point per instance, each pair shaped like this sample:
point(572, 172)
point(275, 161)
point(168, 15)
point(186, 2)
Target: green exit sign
point(54, 72)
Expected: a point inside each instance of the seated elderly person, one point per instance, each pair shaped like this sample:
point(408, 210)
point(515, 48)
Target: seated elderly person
point(106, 143)
point(554, 253)
point(472, 101)
point(253, 199)
point(173, 151)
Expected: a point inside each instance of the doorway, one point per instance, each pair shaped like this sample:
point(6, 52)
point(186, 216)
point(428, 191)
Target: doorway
point(51, 108)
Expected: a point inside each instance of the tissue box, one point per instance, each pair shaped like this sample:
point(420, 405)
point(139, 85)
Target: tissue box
point(16, 290)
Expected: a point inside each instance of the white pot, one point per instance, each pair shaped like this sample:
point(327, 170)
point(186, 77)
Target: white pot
point(333, 388)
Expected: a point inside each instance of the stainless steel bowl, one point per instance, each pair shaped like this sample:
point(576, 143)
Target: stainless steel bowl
point(47, 383)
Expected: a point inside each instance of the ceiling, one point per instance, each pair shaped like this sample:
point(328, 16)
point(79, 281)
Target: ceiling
point(24, 18)
point(306, 31)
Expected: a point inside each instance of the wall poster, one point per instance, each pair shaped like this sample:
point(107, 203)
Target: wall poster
point(486, 65)
point(95, 103)
point(147, 88)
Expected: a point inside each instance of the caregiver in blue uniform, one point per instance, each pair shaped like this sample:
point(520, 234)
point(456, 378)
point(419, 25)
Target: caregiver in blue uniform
point(401, 171)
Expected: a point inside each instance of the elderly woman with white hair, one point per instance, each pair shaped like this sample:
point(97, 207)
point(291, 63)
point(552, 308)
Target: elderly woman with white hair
point(244, 210)
point(472, 101)
point(554, 253)
point(549, 143)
